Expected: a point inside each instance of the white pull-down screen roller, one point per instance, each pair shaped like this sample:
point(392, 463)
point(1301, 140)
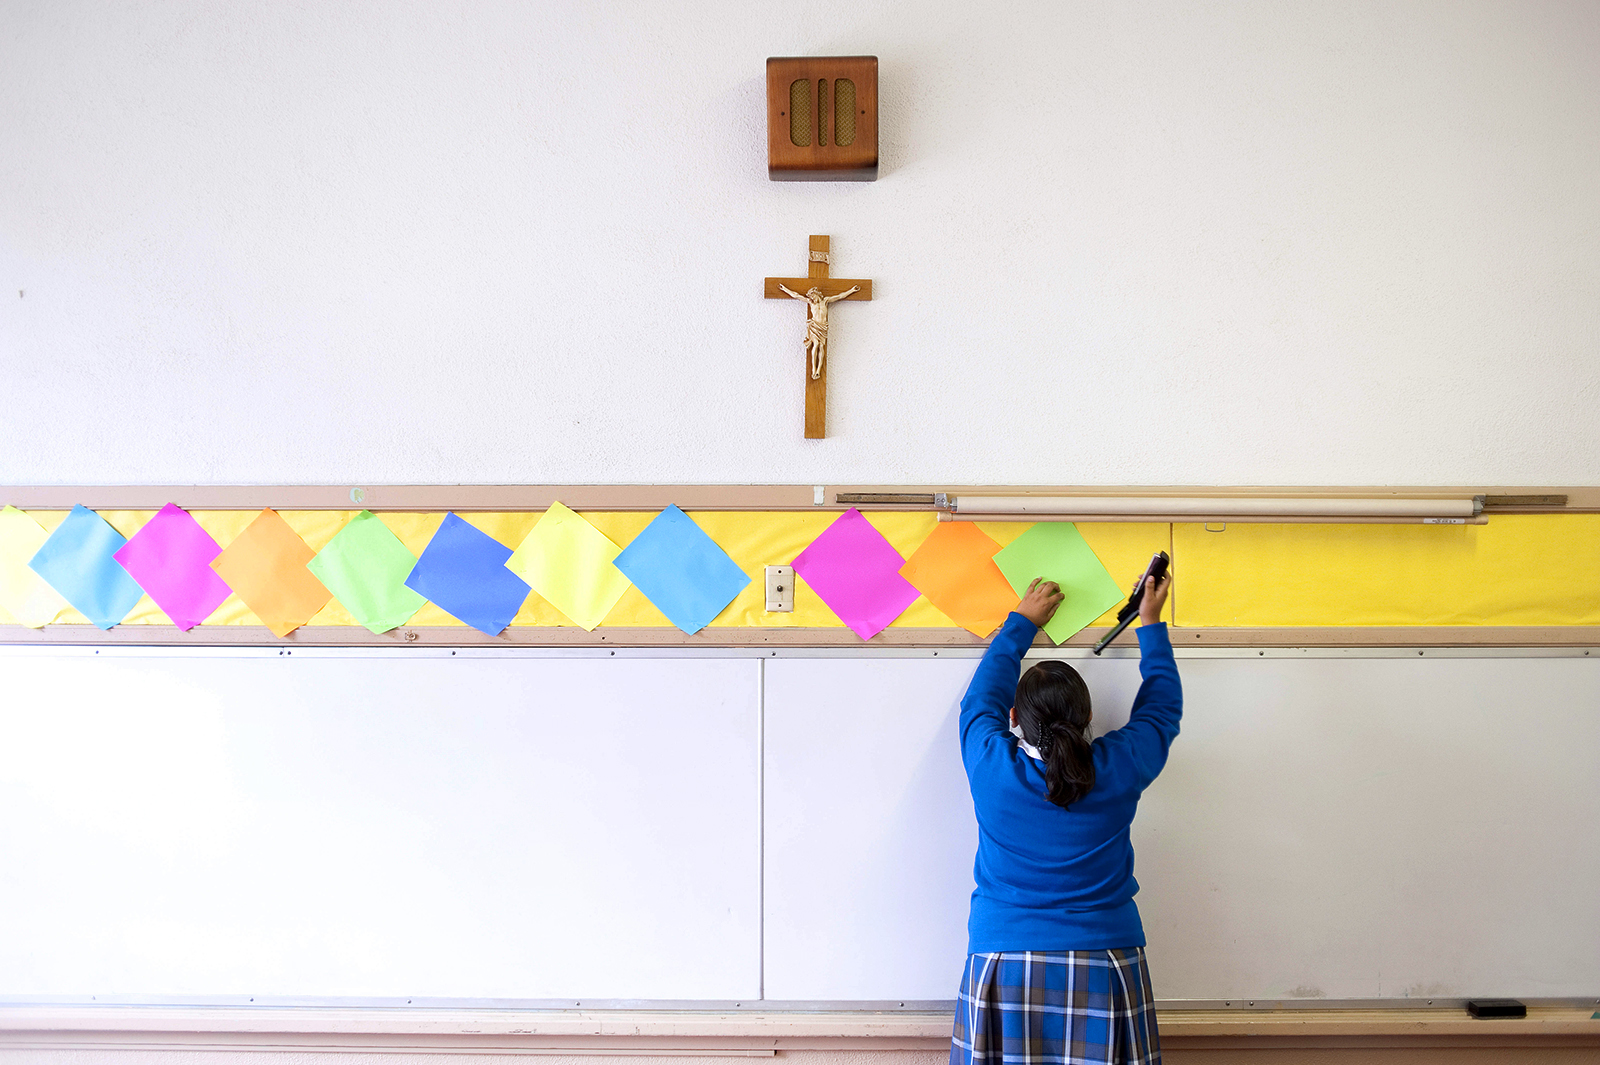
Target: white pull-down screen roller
point(1218, 507)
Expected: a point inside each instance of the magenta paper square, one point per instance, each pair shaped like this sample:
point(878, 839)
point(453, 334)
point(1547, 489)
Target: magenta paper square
point(856, 572)
point(171, 559)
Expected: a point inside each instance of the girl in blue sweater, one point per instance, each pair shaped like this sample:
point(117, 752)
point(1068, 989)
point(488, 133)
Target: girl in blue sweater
point(1055, 968)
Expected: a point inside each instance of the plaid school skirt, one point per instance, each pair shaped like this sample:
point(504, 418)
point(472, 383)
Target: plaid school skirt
point(1068, 1007)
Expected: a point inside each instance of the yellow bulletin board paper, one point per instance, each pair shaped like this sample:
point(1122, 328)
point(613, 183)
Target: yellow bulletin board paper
point(26, 595)
point(753, 539)
point(1536, 569)
point(1519, 569)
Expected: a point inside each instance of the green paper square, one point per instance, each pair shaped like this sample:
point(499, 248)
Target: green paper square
point(1056, 551)
point(365, 566)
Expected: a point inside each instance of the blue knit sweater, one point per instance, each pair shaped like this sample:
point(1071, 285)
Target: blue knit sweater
point(1051, 878)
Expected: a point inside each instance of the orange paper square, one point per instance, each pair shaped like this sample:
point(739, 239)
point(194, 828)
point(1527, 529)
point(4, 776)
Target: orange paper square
point(955, 569)
point(266, 566)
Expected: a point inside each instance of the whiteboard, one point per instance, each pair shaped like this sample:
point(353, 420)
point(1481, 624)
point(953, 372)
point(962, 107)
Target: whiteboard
point(193, 826)
point(869, 843)
point(1383, 828)
point(1345, 827)
point(724, 826)
point(870, 829)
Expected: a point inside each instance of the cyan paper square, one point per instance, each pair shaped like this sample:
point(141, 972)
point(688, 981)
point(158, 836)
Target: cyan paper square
point(682, 570)
point(463, 570)
point(78, 562)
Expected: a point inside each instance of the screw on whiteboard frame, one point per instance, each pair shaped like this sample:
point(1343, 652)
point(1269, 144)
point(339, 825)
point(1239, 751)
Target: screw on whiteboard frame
point(358, 495)
point(410, 637)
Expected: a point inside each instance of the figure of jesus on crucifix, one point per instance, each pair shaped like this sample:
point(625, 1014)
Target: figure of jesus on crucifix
point(817, 321)
point(820, 290)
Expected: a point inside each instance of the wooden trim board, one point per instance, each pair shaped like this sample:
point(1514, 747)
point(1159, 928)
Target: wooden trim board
point(482, 497)
point(670, 1033)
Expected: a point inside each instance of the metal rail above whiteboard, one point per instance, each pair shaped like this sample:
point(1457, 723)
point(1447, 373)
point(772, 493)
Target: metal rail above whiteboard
point(721, 639)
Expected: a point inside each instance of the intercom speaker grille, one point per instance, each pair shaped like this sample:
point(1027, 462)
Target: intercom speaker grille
point(800, 113)
point(844, 111)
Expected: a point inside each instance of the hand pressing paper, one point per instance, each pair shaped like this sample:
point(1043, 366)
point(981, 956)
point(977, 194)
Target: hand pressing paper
point(1056, 551)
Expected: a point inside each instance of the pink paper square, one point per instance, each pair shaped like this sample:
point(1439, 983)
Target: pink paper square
point(171, 559)
point(856, 572)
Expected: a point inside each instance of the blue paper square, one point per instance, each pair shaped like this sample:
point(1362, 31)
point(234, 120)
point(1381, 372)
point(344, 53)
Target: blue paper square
point(682, 570)
point(77, 562)
point(464, 571)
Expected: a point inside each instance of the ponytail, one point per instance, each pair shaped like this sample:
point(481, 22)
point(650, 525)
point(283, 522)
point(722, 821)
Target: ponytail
point(1054, 711)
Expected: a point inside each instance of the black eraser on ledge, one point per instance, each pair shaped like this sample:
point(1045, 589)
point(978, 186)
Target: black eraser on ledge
point(1496, 1007)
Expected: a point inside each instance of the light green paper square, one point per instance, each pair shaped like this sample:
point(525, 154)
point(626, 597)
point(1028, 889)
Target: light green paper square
point(365, 566)
point(25, 594)
point(1056, 551)
point(569, 562)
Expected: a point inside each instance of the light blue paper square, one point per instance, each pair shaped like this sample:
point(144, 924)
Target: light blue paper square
point(682, 570)
point(77, 562)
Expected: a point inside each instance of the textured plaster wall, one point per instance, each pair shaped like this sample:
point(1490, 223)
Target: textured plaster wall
point(1159, 242)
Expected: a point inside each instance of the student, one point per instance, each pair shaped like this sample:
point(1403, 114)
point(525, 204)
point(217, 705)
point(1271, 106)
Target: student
point(1055, 967)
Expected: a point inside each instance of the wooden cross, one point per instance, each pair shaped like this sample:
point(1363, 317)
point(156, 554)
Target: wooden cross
point(829, 290)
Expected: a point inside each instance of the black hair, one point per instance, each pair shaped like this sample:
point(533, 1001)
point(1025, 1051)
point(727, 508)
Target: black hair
point(1053, 710)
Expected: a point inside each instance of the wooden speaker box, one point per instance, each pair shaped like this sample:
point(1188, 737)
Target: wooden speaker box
point(822, 118)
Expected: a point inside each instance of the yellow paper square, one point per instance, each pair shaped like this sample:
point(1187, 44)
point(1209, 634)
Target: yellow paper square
point(23, 593)
point(568, 562)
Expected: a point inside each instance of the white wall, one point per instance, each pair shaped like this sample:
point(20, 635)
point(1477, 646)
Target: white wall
point(1318, 243)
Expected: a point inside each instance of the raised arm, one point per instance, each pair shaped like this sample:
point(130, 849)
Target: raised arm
point(852, 290)
point(985, 709)
point(1158, 707)
point(791, 293)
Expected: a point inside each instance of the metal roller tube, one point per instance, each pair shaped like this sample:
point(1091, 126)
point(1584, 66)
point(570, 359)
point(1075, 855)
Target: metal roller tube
point(1220, 507)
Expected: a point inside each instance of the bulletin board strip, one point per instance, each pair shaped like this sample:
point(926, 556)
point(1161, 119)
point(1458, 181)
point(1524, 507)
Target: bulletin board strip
point(1523, 580)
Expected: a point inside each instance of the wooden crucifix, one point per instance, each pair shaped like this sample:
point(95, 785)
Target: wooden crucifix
point(817, 291)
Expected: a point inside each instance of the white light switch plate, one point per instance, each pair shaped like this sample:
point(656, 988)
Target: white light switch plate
point(780, 588)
